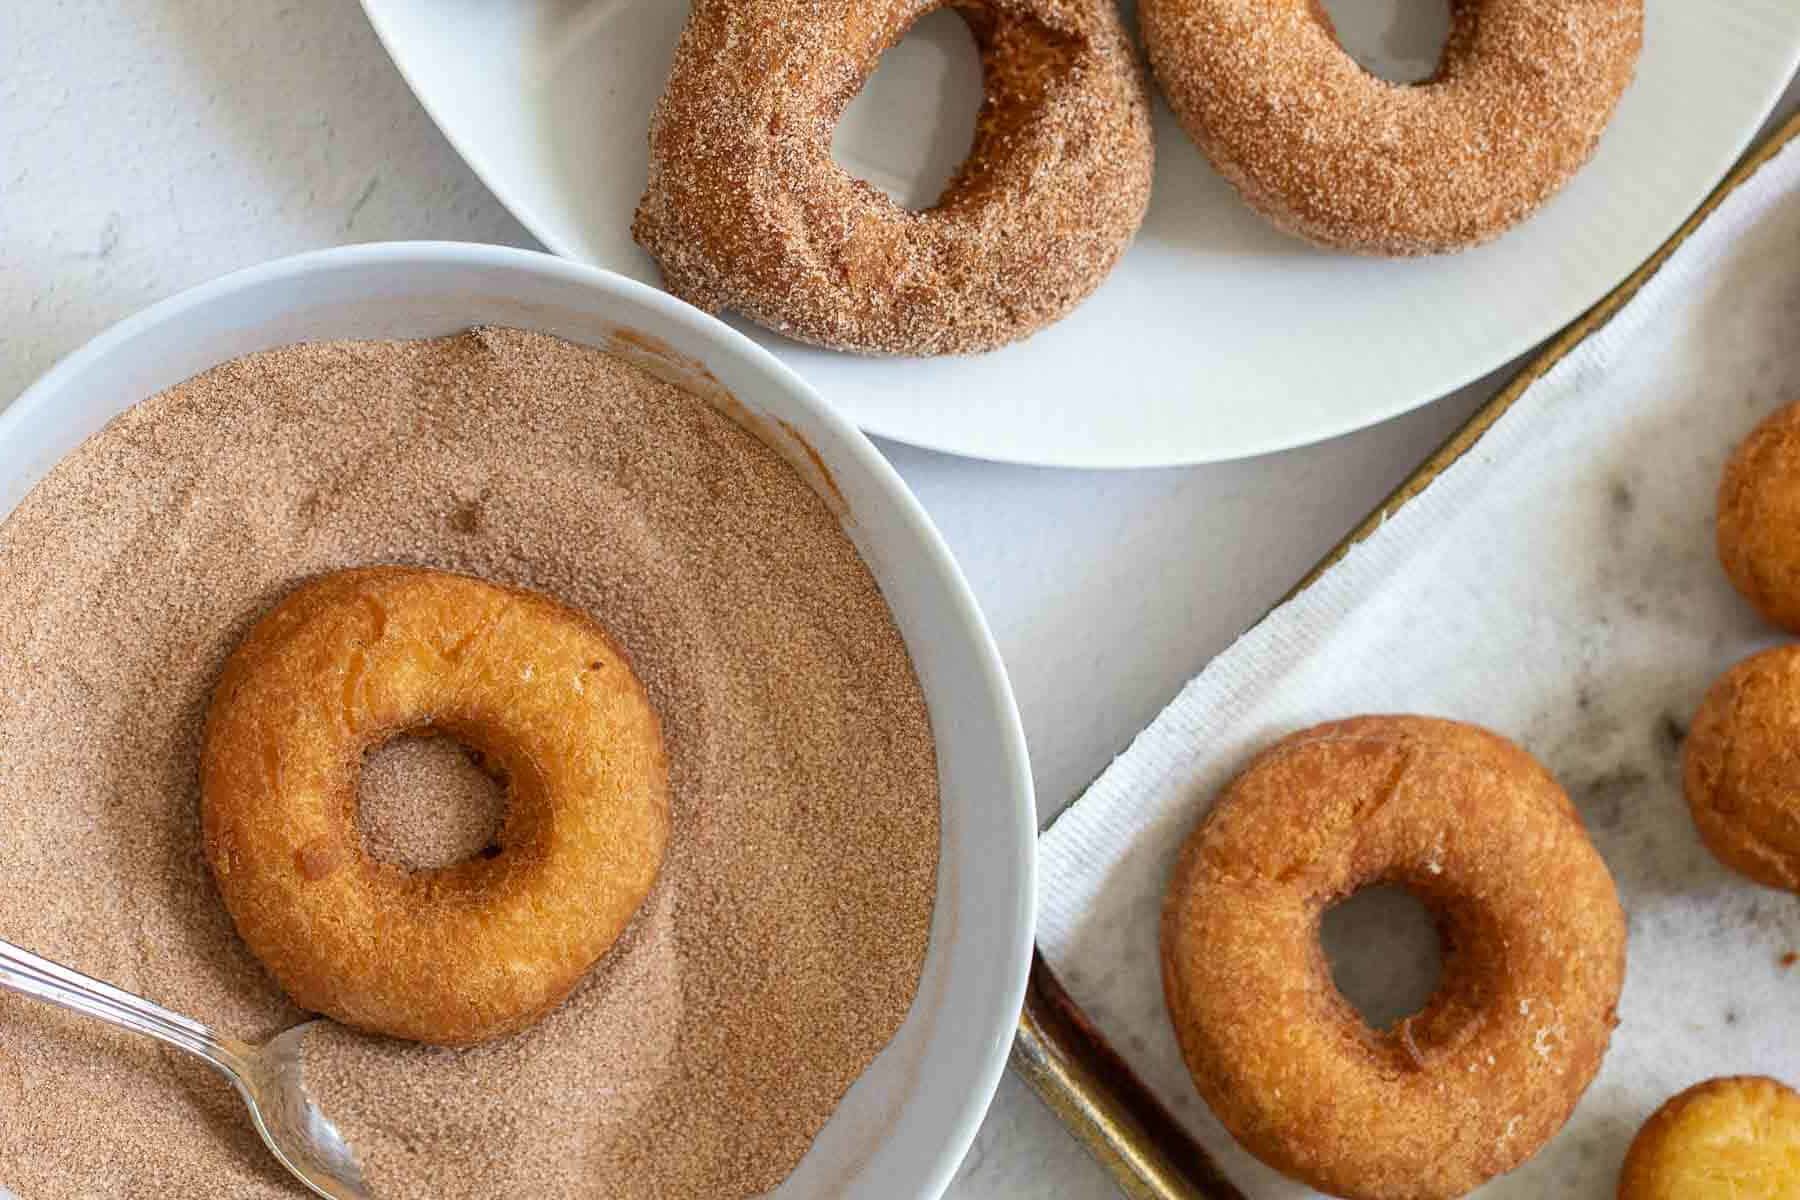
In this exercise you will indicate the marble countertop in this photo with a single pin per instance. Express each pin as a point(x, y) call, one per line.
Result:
point(147, 145)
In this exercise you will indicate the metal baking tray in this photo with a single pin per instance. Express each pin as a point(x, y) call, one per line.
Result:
point(1057, 1049)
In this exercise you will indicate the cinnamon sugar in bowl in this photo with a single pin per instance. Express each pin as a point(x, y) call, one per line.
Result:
point(665, 374)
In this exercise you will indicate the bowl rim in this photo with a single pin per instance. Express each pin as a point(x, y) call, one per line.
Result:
point(34, 402)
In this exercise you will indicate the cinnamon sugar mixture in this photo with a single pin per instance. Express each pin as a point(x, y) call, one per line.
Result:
point(782, 944)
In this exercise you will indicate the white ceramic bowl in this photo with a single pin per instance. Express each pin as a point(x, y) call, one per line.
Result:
point(904, 1127)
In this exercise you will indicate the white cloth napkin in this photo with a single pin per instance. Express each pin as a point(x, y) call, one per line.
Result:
point(1559, 585)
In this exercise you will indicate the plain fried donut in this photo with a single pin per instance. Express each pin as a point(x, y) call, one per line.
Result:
point(1345, 159)
point(482, 947)
point(1534, 957)
point(747, 210)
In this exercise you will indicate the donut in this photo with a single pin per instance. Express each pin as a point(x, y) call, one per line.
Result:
point(1534, 957)
point(1740, 768)
point(482, 947)
point(1347, 160)
point(746, 209)
point(1759, 518)
point(1736, 1138)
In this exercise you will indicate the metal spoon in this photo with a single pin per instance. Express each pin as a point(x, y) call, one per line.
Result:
point(267, 1076)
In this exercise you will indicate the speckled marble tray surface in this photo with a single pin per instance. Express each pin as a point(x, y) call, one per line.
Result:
point(1558, 583)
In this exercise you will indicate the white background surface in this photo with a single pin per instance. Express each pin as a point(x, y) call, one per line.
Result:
point(146, 145)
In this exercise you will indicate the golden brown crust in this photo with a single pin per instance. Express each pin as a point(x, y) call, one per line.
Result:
point(1736, 1138)
point(480, 948)
point(1759, 518)
point(747, 210)
point(1741, 768)
point(1477, 1081)
point(1337, 156)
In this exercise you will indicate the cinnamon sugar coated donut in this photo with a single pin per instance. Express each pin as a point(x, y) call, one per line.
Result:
point(1740, 770)
point(1534, 957)
point(483, 947)
point(747, 210)
point(1736, 1138)
point(1340, 157)
point(1759, 518)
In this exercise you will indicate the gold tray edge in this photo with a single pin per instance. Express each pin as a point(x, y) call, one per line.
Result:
point(1057, 1050)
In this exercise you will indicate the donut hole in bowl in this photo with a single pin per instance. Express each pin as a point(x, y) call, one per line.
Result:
point(1401, 41)
point(426, 800)
point(1385, 952)
point(911, 126)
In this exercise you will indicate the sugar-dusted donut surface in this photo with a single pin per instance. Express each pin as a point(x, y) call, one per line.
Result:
point(747, 210)
point(1336, 155)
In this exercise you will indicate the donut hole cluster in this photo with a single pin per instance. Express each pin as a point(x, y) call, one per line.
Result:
point(912, 124)
point(1401, 41)
point(1385, 952)
point(1741, 759)
point(426, 800)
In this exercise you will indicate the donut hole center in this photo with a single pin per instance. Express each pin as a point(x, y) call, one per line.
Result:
point(425, 800)
point(912, 125)
point(1385, 953)
point(1401, 41)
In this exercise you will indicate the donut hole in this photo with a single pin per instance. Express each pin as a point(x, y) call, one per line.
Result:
point(425, 800)
point(1385, 953)
point(1401, 41)
point(913, 123)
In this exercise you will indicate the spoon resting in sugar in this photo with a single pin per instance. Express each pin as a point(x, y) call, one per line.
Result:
point(266, 1077)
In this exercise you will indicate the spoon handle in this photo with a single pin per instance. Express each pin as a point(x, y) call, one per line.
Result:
point(32, 975)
